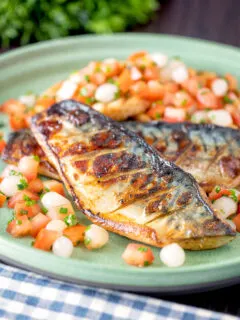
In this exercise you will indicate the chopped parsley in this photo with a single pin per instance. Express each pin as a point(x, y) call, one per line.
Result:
point(70, 220)
point(142, 249)
point(87, 78)
point(142, 67)
point(63, 210)
point(28, 201)
point(22, 185)
point(108, 69)
point(88, 228)
point(36, 158)
point(14, 173)
point(146, 263)
point(87, 241)
point(98, 69)
point(32, 243)
point(226, 99)
point(83, 92)
point(9, 221)
point(18, 222)
point(157, 115)
point(117, 95)
point(44, 210)
point(110, 80)
point(233, 195)
point(184, 102)
point(204, 92)
point(218, 189)
point(90, 100)
point(45, 190)
point(22, 211)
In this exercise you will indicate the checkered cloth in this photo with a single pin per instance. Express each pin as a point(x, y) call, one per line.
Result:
point(28, 296)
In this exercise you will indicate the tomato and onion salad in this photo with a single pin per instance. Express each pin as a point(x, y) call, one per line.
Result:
point(145, 86)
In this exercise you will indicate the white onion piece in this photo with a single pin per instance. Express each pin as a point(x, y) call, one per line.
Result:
point(29, 100)
point(106, 92)
point(226, 206)
point(219, 87)
point(200, 117)
point(135, 74)
point(180, 74)
point(66, 91)
point(159, 58)
point(56, 225)
point(220, 118)
point(63, 247)
point(98, 106)
point(9, 187)
point(95, 237)
point(172, 255)
point(7, 171)
point(54, 199)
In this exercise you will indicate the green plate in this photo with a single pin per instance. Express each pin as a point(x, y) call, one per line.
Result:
point(38, 66)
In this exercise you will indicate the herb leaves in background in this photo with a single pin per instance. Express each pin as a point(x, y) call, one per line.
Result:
point(24, 21)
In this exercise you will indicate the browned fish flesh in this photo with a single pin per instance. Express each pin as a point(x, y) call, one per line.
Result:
point(122, 184)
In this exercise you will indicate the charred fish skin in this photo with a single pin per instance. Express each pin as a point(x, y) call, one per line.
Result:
point(22, 143)
point(210, 153)
point(121, 183)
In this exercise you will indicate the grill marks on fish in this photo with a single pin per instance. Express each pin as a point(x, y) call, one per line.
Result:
point(210, 153)
point(133, 192)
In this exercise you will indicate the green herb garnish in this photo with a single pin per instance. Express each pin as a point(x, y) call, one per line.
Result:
point(83, 92)
point(217, 189)
point(90, 100)
point(70, 220)
point(36, 158)
point(157, 115)
point(22, 211)
point(233, 195)
point(87, 241)
point(63, 210)
point(22, 185)
point(184, 102)
point(117, 95)
point(18, 222)
point(28, 201)
point(142, 249)
point(44, 210)
point(87, 78)
point(226, 99)
point(146, 263)
point(14, 173)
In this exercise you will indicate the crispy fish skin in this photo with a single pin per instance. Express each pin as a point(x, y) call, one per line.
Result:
point(121, 183)
point(22, 143)
point(210, 153)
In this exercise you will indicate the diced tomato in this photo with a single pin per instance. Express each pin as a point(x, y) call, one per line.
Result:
point(138, 255)
point(218, 193)
point(22, 209)
point(137, 55)
point(98, 78)
point(36, 186)
point(171, 87)
point(3, 198)
point(232, 81)
point(168, 98)
point(139, 89)
point(55, 186)
point(154, 91)
point(2, 144)
point(19, 197)
point(45, 102)
point(207, 99)
point(28, 165)
point(17, 122)
point(75, 233)
point(45, 239)
point(125, 81)
point(191, 85)
point(182, 99)
point(236, 220)
point(156, 111)
point(110, 69)
point(13, 107)
point(39, 222)
point(19, 227)
point(151, 73)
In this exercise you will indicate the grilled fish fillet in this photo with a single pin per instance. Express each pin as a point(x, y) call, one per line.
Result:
point(210, 153)
point(122, 184)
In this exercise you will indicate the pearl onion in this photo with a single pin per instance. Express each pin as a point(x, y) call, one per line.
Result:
point(56, 225)
point(63, 247)
point(180, 74)
point(75, 78)
point(95, 237)
point(220, 118)
point(159, 58)
point(28, 100)
point(53, 199)
point(179, 114)
point(172, 255)
point(66, 91)
point(7, 171)
point(219, 87)
point(9, 185)
point(106, 92)
point(226, 206)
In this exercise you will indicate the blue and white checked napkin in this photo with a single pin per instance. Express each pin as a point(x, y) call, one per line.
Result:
point(28, 296)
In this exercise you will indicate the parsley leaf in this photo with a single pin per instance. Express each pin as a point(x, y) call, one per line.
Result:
point(70, 220)
point(36, 158)
point(142, 249)
point(63, 210)
point(28, 201)
point(87, 241)
point(226, 99)
point(22, 185)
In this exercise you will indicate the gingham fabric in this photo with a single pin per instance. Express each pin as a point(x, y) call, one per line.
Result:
point(28, 296)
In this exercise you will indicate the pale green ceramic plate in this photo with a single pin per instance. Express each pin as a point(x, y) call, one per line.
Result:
point(38, 66)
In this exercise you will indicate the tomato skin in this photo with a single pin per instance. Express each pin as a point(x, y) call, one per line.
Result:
point(3, 198)
point(138, 255)
point(39, 222)
point(21, 209)
point(75, 233)
point(19, 197)
point(236, 220)
point(216, 195)
point(35, 186)
point(45, 239)
point(20, 227)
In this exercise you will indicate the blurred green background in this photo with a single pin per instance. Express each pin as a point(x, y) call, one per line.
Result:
point(24, 21)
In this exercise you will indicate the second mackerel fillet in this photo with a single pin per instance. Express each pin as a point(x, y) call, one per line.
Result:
point(122, 184)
